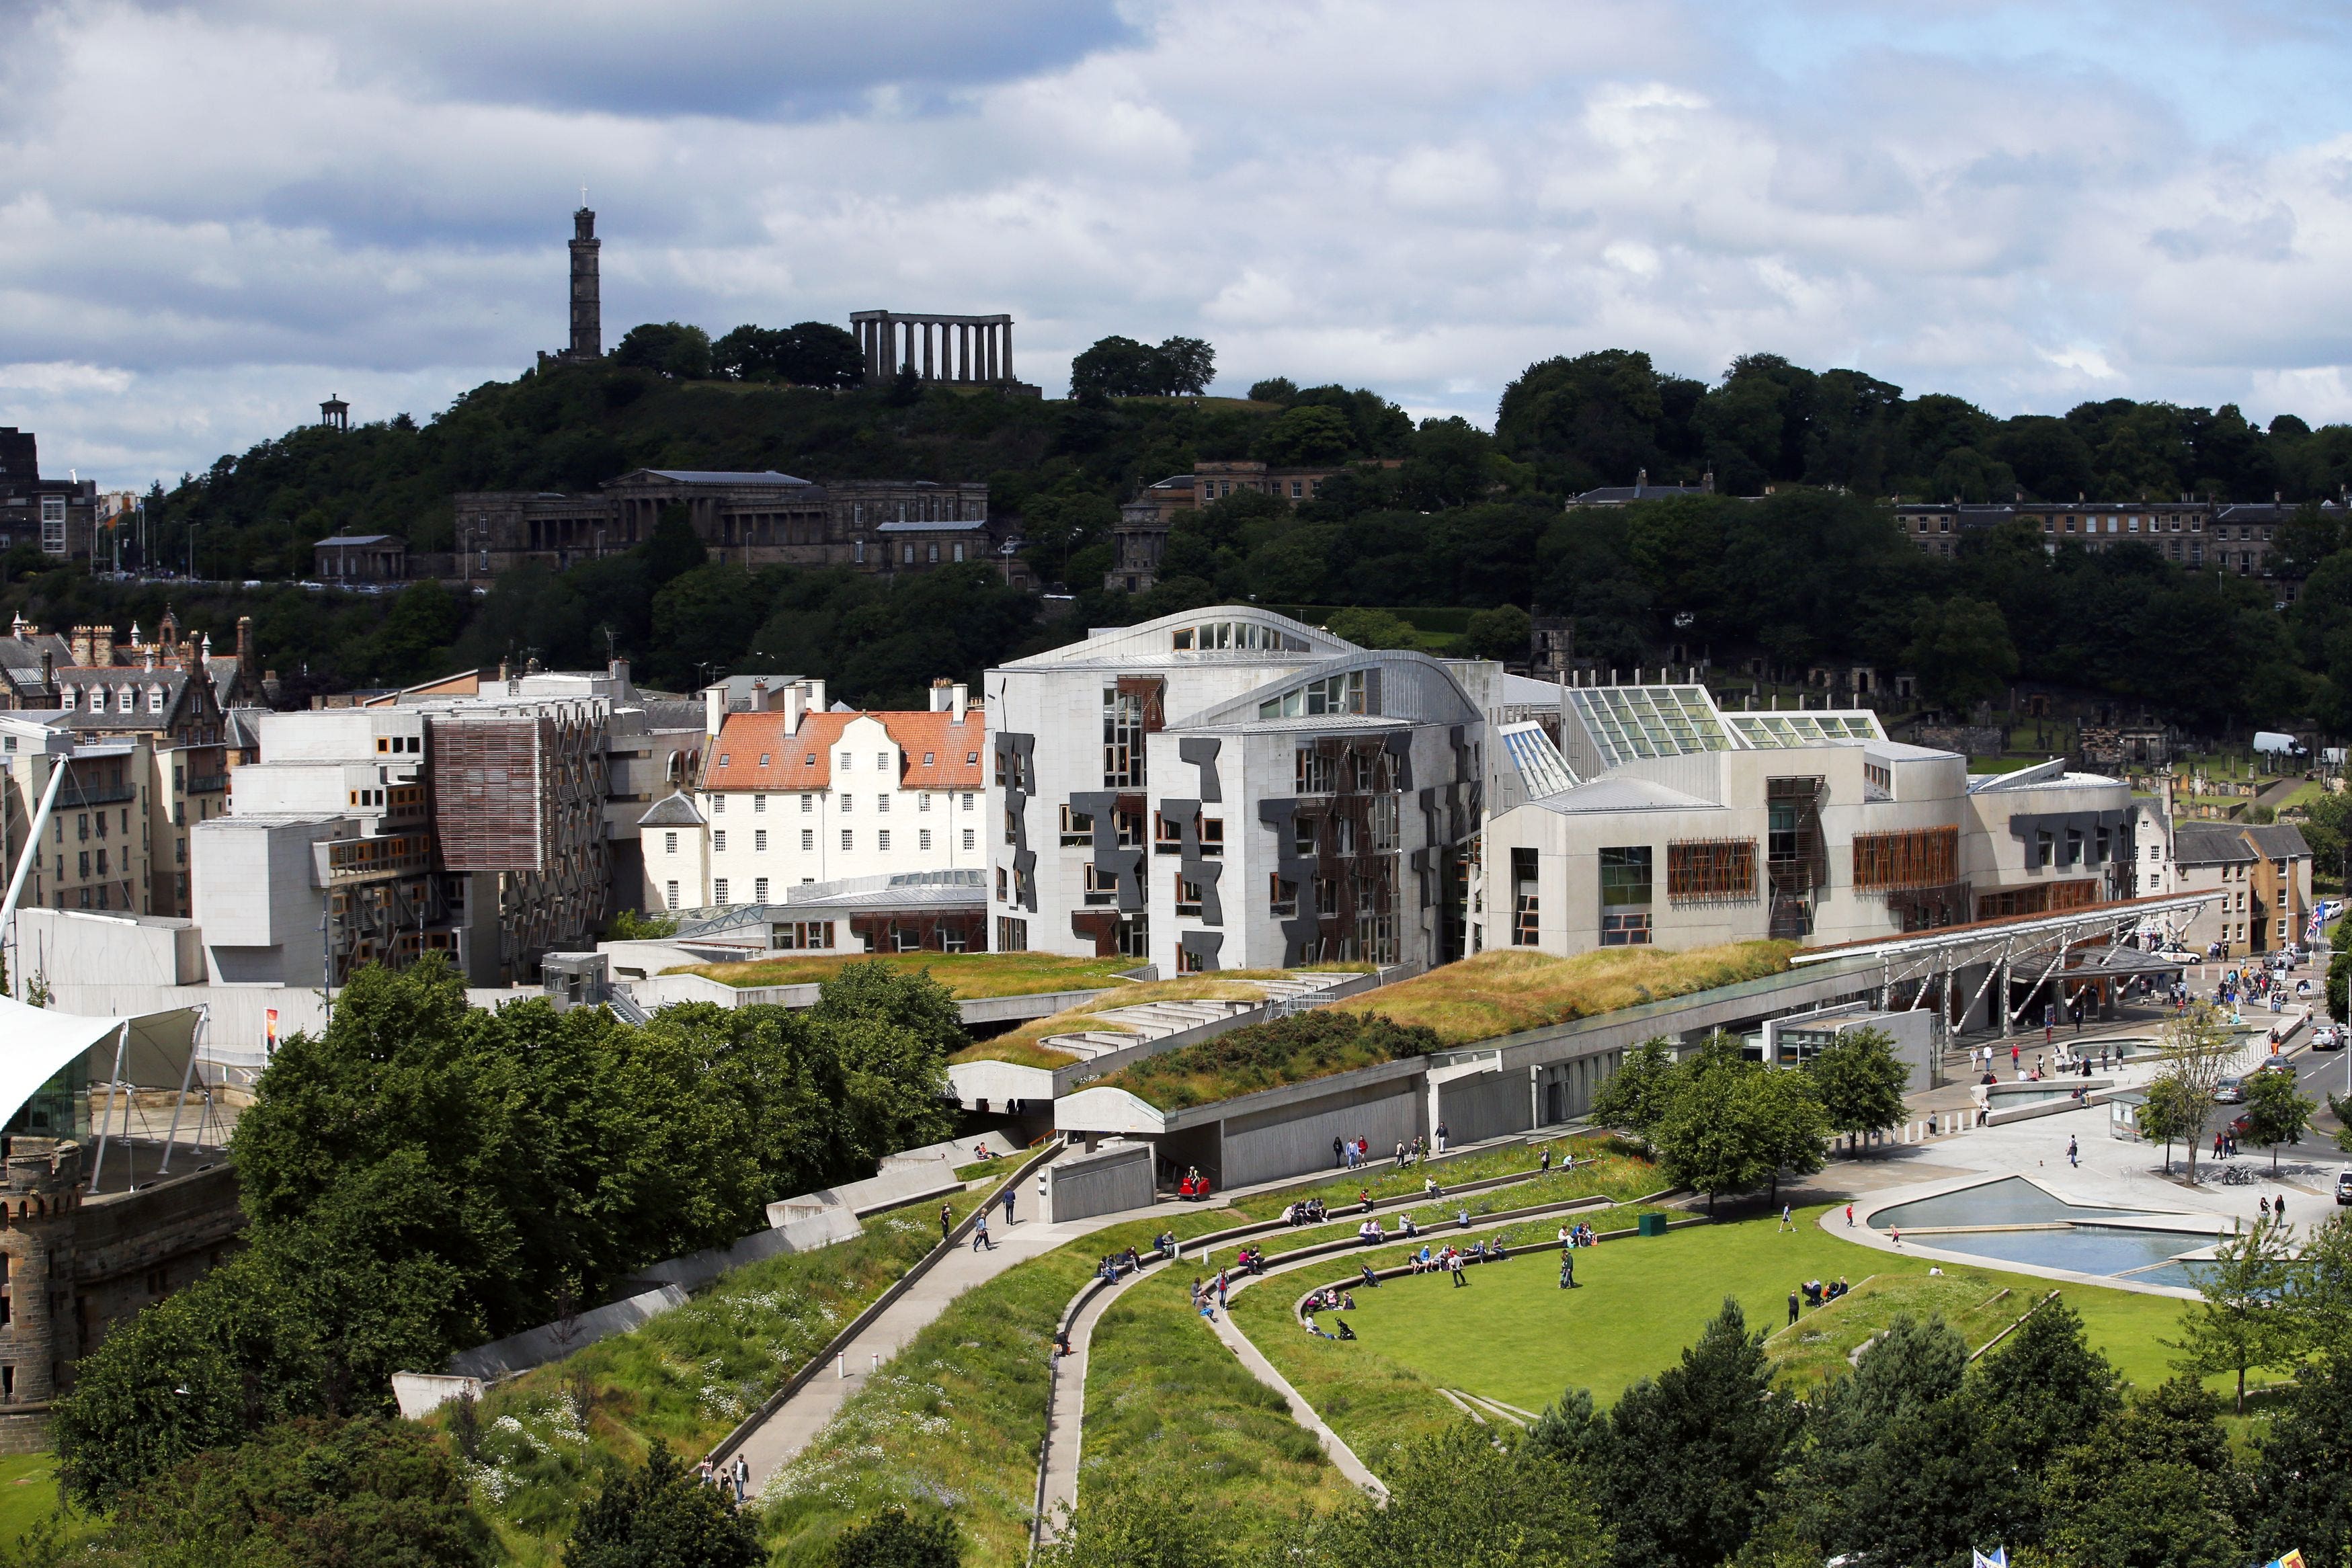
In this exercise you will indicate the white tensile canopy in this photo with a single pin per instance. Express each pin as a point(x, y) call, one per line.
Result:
point(152, 1051)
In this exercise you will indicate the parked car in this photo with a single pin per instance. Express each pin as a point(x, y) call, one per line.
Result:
point(2343, 1187)
point(2229, 1091)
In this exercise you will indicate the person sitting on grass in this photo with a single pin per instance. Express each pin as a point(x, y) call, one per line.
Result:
point(1347, 1300)
point(1319, 1333)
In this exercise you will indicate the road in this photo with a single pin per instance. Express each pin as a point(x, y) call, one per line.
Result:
point(2319, 1073)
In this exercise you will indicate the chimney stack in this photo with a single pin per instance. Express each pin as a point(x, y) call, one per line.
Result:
point(759, 696)
point(619, 670)
point(795, 702)
point(962, 701)
point(248, 663)
point(714, 710)
point(940, 695)
point(48, 672)
point(816, 696)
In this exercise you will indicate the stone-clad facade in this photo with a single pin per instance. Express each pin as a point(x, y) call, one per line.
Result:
point(77, 1264)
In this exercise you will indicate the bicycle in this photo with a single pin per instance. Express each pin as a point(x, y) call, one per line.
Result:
point(2237, 1176)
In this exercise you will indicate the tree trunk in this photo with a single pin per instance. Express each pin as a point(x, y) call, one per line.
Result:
point(2241, 1391)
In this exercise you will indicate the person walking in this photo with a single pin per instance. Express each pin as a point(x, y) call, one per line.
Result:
point(1793, 1309)
point(1441, 1137)
point(947, 1223)
point(2013, 1055)
point(980, 1237)
point(1008, 1206)
point(1787, 1221)
point(1566, 1270)
point(1849, 1216)
point(2073, 1153)
point(1339, 1153)
point(1454, 1265)
point(1545, 1164)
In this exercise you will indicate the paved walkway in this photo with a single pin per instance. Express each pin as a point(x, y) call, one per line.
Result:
point(778, 1440)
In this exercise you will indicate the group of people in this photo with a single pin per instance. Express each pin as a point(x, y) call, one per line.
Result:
point(1306, 1211)
point(733, 1479)
point(1577, 1235)
point(1116, 1264)
point(1346, 1154)
point(1451, 1258)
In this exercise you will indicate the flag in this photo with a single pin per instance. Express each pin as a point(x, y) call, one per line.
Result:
point(269, 1032)
point(2292, 1560)
point(1999, 1558)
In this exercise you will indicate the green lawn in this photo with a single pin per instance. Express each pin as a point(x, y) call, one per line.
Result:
point(28, 1494)
point(965, 975)
point(1514, 1335)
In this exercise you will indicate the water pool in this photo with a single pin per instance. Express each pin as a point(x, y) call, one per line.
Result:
point(2085, 1248)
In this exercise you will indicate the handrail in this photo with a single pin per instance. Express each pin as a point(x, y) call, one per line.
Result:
point(839, 1342)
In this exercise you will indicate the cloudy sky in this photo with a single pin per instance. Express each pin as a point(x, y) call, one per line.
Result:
point(212, 217)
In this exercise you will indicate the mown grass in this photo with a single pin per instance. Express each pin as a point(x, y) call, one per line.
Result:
point(1024, 1047)
point(1516, 1337)
point(1506, 991)
point(28, 1495)
point(549, 1437)
point(955, 1418)
point(965, 975)
point(1814, 1348)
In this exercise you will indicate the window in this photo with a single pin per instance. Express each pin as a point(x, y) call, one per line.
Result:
point(1011, 936)
point(844, 762)
point(1327, 895)
point(2044, 844)
point(1302, 835)
point(1625, 895)
point(725, 758)
point(1332, 694)
point(1098, 886)
point(800, 934)
point(808, 803)
point(718, 843)
point(882, 804)
point(808, 839)
point(882, 762)
point(923, 802)
point(759, 802)
point(53, 525)
point(1122, 728)
point(968, 838)
point(98, 699)
point(669, 844)
point(759, 841)
point(882, 841)
point(1282, 897)
point(923, 838)
point(1312, 773)
point(1134, 936)
point(845, 841)
point(1711, 871)
point(1131, 829)
point(718, 805)
point(848, 802)
point(1213, 836)
point(1187, 895)
point(1167, 833)
point(968, 794)
point(154, 699)
point(1189, 962)
point(1000, 884)
point(719, 892)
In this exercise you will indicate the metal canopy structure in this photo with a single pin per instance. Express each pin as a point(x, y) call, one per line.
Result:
point(2038, 944)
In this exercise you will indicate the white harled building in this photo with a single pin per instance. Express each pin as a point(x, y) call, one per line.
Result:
point(1231, 788)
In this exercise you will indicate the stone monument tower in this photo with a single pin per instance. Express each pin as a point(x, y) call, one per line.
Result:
point(587, 308)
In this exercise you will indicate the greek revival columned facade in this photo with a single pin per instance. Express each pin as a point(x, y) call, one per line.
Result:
point(973, 349)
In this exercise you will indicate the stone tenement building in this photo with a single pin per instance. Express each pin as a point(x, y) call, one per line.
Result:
point(72, 1266)
point(750, 518)
point(59, 514)
point(2235, 536)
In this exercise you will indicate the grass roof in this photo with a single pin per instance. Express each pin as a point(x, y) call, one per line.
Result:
point(965, 975)
point(1268, 1055)
point(1510, 989)
point(1024, 1047)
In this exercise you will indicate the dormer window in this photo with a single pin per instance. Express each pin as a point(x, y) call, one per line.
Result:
point(98, 699)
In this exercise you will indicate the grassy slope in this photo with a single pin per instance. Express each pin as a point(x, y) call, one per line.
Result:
point(28, 1494)
point(963, 974)
point(1506, 991)
point(957, 1415)
point(687, 1377)
point(1516, 1337)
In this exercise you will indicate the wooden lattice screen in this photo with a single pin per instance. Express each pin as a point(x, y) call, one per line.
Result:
point(1922, 857)
point(1710, 871)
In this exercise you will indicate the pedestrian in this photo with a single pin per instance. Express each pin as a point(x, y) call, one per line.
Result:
point(1567, 1269)
point(1441, 1137)
point(1545, 1164)
point(742, 1476)
point(2074, 1155)
point(1895, 1234)
point(1454, 1264)
point(947, 1223)
point(2217, 1146)
point(1339, 1151)
point(2278, 1208)
point(2266, 1208)
point(1849, 1216)
point(1792, 1308)
point(1008, 1206)
point(1787, 1222)
point(980, 1233)
point(2013, 1059)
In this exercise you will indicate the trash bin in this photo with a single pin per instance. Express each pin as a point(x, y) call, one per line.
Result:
point(1651, 1224)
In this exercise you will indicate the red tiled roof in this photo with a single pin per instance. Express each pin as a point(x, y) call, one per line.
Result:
point(804, 761)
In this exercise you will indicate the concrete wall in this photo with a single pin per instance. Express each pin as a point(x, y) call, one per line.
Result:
point(1292, 1140)
point(1483, 1105)
point(75, 947)
point(1114, 1177)
point(257, 897)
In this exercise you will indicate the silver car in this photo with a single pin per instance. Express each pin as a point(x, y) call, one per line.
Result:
point(2229, 1091)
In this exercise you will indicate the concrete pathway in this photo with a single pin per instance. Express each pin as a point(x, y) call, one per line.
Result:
point(780, 1440)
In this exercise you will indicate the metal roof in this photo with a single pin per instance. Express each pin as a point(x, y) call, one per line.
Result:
point(719, 476)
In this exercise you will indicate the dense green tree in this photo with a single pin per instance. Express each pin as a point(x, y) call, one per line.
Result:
point(307, 1494)
point(662, 1517)
point(1458, 1496)
point(1305, 438)
point(1962, 652)
point(2238, 1325)
point(1859, 1081)
point(2044, 1389)
point(1636, 1097)
point(897, 1539)
point(1729, 1125)
point(1693, 1453)
point(2156, 1488)
point(679, 351)
point(2302, 1471)
point(1273, 389)
point(2276, 1113)
point(1373, 628)
point(1503, 633)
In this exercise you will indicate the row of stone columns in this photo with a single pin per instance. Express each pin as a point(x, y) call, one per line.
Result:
point(936, 350)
